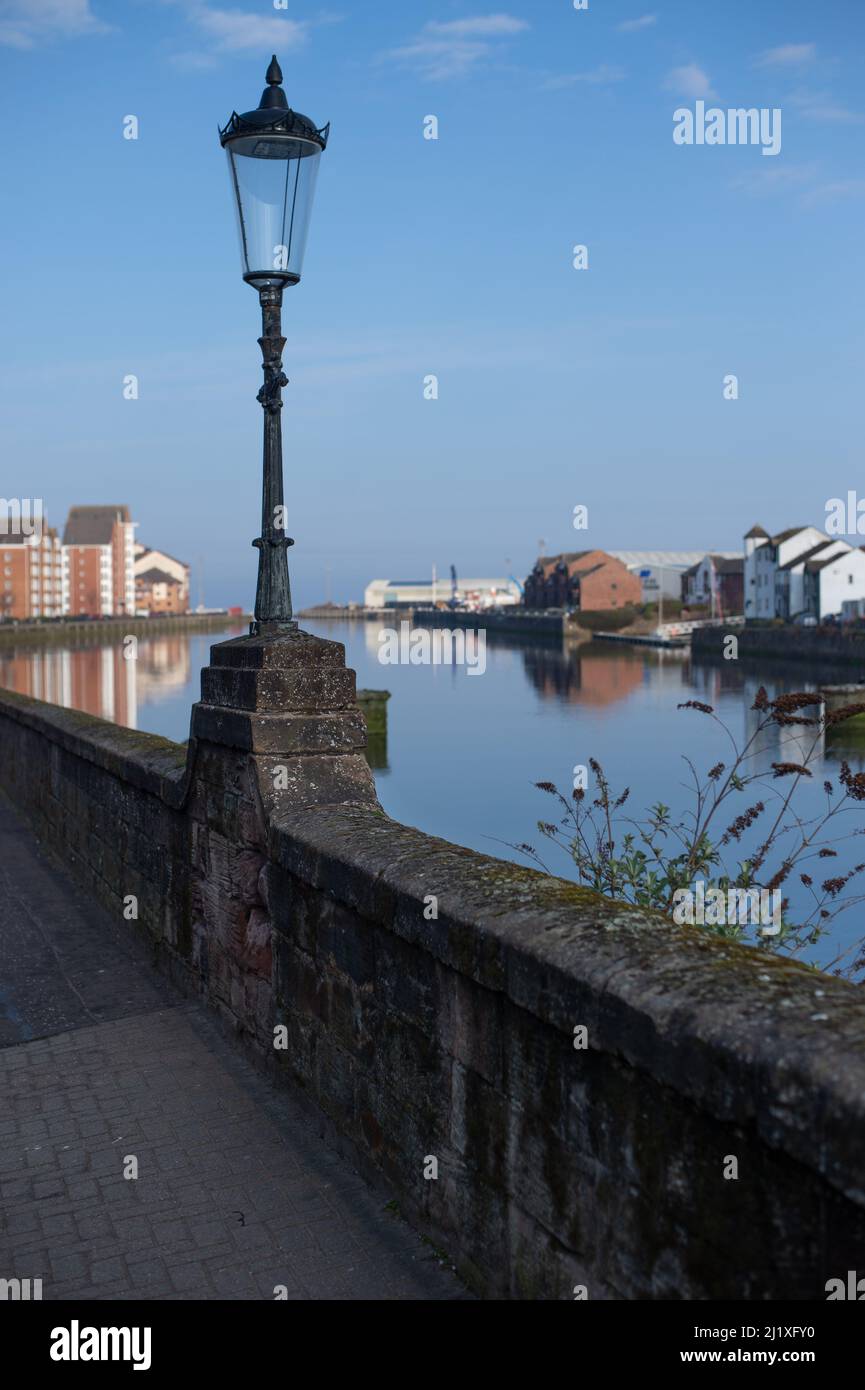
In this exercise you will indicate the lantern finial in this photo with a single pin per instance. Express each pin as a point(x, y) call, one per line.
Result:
point(273, 96)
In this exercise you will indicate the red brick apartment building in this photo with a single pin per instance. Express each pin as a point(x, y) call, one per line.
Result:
point(583, 579)
point(100, 578)
point(31, 572)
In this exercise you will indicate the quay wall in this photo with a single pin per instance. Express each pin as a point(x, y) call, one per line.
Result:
point(788, 642)
point(516, 620)
point(97, 632)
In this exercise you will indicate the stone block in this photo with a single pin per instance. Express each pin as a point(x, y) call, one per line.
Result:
point(281, 735)
point(302, 690)
point(277, 652)
point(345, 946)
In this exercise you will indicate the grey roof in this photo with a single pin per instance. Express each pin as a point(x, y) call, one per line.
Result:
point(442, 582)
point(815, 566)
point(156, 550)
point(92, 525)
point(565, 558)
point(19, 537)
point(156, 576)
point(571, 558)
point(756, 531)
point(669, 559)
point(723, 564)
point(806, 556)
point(788, 534)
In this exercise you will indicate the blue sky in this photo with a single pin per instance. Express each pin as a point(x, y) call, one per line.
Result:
point(452, 257)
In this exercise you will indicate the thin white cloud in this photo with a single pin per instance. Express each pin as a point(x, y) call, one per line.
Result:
point(441, 58)
point(26, 23)
point(789, 55)
point(596, 77)
point(809, 181)
point(831, 192)
point(224, 31)
point(454, 47)
point(630, 26)
point(821, 106)
point(764, 182)
point(485, 26)
point(233, 31)
point(689, 81)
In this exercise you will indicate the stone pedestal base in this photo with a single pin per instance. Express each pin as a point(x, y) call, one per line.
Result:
point(288, 701)
point(277, 728)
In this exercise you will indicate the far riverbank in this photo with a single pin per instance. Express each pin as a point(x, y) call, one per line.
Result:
point(100, 632)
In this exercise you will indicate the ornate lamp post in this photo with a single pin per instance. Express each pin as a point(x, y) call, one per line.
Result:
point(273, 156)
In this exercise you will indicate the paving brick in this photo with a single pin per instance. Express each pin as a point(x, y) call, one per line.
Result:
point(93, 1224)
point(69, 1269)
point(21, 1222)
point(128, 1067)
point(108, 1271)
point(190, 1276)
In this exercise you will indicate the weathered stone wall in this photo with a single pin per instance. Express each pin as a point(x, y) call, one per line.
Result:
point(429, 996)
point(605, 1167)
point(109, 801)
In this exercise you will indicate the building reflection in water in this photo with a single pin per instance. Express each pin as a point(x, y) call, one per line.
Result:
point(588, 673)
point(595, 674)
point(100, 680)
point(792, 743)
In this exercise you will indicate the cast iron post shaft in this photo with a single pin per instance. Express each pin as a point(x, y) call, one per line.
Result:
point(273, 593)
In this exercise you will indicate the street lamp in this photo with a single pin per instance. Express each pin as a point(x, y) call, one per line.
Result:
point(273, 156)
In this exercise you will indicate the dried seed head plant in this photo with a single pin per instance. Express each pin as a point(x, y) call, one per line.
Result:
point(648, 862)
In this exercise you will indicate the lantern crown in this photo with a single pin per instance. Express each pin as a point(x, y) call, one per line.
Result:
point(274, 116)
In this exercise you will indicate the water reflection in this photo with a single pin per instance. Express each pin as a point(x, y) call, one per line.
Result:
point(114, 682)
point(593, 674)
point(845, 741)
point(96, 680)
point(100, 680)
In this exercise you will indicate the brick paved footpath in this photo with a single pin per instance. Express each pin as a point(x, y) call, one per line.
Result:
point(100, 1059)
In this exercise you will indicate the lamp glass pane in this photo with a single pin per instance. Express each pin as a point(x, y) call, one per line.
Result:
point(273, 178)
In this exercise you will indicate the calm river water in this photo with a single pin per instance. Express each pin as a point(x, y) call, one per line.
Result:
point(463, 752)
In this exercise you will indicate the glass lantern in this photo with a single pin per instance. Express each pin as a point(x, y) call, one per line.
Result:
point(273, 157)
